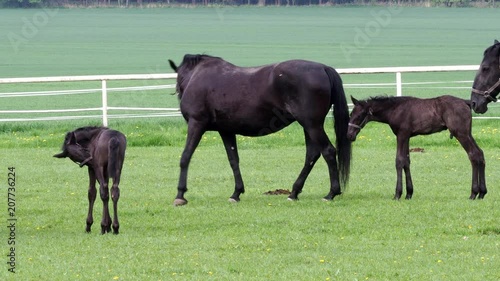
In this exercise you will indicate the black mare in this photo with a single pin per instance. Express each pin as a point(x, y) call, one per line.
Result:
point(486, 85)
point(408, 117)
point(102, 150)
point(216, 95)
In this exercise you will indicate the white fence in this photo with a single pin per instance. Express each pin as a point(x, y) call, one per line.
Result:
point(174, 111)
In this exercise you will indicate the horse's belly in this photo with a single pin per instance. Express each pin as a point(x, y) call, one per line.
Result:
point(253, 126)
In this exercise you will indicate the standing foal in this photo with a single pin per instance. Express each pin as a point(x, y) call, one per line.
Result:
point(103, 151)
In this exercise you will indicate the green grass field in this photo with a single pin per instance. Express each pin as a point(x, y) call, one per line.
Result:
point(361, 235)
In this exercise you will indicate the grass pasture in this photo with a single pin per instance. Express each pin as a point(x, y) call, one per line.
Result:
point(361, 235)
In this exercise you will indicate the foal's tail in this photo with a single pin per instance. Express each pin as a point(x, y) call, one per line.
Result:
point(341, 118)
point(116, 155)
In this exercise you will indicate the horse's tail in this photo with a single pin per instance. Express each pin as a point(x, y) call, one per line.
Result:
point(116, 153)
point(341, 121)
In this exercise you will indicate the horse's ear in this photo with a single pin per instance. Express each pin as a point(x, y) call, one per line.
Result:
point(72, 138)
point(172, 65)
point(354, 101)
point(496, 42)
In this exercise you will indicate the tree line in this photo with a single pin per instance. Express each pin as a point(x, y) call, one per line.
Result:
point(157, 3)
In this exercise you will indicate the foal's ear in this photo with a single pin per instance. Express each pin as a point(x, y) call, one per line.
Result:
point(72, 138)
point(496, 42)
point(354, 101)
point(172, 65)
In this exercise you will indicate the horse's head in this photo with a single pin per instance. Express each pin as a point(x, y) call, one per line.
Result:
point(72, 149)
point(360, 115)
point(487, 82)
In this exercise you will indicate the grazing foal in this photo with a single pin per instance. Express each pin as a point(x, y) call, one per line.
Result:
point(103, 151)
point(408, 117)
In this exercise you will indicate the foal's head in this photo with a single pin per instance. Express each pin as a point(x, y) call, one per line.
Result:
point(76, 145)
point(486, 85)
point(360, 115)
point(73, 150)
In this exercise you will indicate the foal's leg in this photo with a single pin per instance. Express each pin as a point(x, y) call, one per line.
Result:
point(234, 160)
point(403, 163)
point(476, 158)
point(321, 141)
point(115, 196)
point(104, 191)
point(195, 131)
point(312, 155)
point(92, 193)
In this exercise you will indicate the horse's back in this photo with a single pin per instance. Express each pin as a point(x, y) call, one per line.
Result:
point(107, 142)
point(116, 140)
point(431, 115)
point(256, 101)
point(301, 73)
point(453, 102)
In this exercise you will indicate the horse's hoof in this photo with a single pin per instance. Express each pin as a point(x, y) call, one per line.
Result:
point(326, 200)
point(180, 202)
point(292, 199)
point(232, 200)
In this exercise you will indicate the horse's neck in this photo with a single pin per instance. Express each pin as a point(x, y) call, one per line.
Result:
point(382, 113)
point(87, 136)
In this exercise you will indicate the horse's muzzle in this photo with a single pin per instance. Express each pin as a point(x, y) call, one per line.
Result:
point(479, 108)
point(351, 135)
point(63, 154)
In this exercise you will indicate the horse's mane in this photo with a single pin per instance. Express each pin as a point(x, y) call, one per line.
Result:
point(192, 60)
point(85, 133)
point(89, 128)
point(388, 100)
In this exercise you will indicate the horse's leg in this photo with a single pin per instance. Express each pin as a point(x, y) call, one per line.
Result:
point(234, 160)
point(409, 182)
point(481, 163)
point(312, 155)
point(115, 196)
point(195, 131)
point(92, 194)
point(320, 139)
point(476, 158)
point(104, 192)
point(403, 163)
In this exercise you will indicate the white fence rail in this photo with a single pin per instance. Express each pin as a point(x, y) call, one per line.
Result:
point(104, 92)
point(174, 111)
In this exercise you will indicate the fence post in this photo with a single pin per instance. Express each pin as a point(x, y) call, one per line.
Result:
point(399, 90)
point(104, 103)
